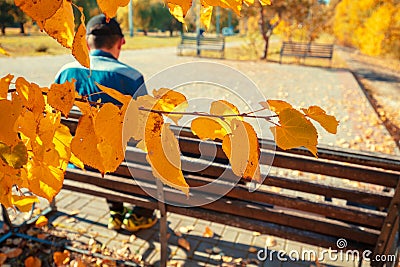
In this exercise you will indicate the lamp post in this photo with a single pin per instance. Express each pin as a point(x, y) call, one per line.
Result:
point(130, 18)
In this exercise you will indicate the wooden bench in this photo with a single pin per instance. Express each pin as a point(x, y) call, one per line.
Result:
point(314, 211)
point(305, 208)
point(304, 50)
point(210, 43)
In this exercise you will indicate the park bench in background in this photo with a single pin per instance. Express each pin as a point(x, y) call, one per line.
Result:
point(313, 211)
point(206, 43)
point(304, 50)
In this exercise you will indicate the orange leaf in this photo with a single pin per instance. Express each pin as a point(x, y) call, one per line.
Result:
point(61, 25)
point(108, 127)
point(39, 10)
point(84, 143)
point(163, 153)
point(31, 96)
point(223, 108)
point(177, 12)
point(235, 5)
point(61, 258)
point(170, 100)
point(295, 130)
point(3, 258)
point(24, 203)
point(208, 232)
point(184, 5)
point(13, 253)
point(243, 150)
point(184, 243)
point(62, 96)
point(41, 221)
point(316, 113)
point(210, 128)
point(10, 111)
point(79, 46)
point(117, 95)
point(109, 8)
point(5, 85)
point(276, 105)
point(32, 261)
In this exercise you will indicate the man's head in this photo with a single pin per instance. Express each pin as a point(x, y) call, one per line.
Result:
point(104, 35)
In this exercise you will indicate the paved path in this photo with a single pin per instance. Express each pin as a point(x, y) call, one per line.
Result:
point(334, 90)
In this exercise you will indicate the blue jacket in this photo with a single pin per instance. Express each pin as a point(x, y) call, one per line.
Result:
point(105, 70)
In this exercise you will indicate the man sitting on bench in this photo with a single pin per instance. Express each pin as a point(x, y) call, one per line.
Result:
point(105, 41)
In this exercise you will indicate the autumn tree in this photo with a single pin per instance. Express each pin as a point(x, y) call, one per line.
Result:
point(6, 17)
point(142, 15)
point(372, 26)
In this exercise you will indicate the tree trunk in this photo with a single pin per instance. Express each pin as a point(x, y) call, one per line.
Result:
point(3, 30)
point(263, 31)
point(145, 32)
point(21, 28)
point(171, 32)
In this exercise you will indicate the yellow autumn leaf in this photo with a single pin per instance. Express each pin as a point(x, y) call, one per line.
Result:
point(295, 130)
point(9, 113)
point(7, 177)
point(328, 122)
point(235, 5)
point(80, 48)
point(27, 124)
point(47, 127)
point(61, 258)
point(5, 85)
point(15, 156)
point(210, 128)
point(45, 180)
point(13, 253)
point(39, 10)
point(177, 12)
point(276, 105)
point(62, 96)
point(109, 8)
point(108, 128)
point(24, 203)
point(224, 108)
point(124, 99)
point(61, 25)
point(163, 153)
point(33, 261)
point(84, 143)
point(62, 142)
point(131, 126)
point(243, 150)
point(183, 4)
point(31, 96)
point(205, 15)
point(41, 221)
point(170, 101)
point(3, 52)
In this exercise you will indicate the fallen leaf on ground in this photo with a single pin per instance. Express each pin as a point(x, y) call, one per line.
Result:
point(13, 253)
point(252, 249)
point(41, 221)
point(208, 232)
point(32, 261)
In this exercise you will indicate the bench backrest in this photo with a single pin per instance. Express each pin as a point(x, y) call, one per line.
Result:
point(307, 49)
point(293, 201)
point(203, 40)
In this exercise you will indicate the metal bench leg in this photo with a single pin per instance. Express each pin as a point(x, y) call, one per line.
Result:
point(163, 224)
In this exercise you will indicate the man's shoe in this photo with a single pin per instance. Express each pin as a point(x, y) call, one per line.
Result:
point(133, 223)
point(116, 218)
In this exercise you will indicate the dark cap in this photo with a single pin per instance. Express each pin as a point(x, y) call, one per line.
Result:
point(98, 25)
